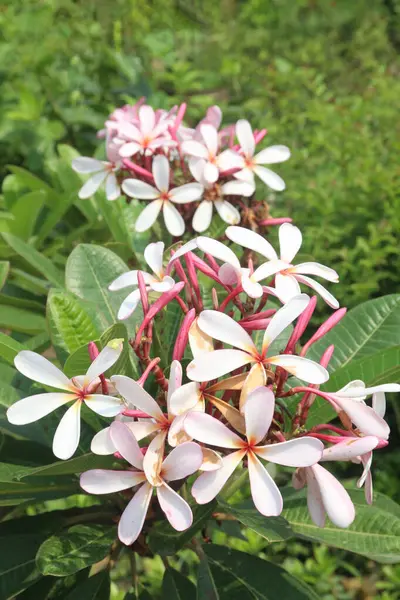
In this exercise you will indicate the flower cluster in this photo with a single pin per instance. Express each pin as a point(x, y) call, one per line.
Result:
point(180, 171)
point(249, 384)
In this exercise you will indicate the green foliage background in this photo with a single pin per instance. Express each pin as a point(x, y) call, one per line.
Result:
point(322, 76)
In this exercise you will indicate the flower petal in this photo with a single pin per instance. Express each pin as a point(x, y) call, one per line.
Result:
point(286, 286)
point(174, 381)
point(148, 216)
point(142, 429)
point(139, 189)
point(33, 408)
point(127, 279)
point(210, 483)
point(223, 328)
point(303, 368)
point(129, 305)
point(270, 178)
point(228, 159)
point(314, 500)
point(184, 398)
point(290, 240)
point(264, 491)
point(147, 119)
point(129, 149)
point(132, 519)
point(112, 188)
point(364, 417)
point(256, 377)
point(126, 444)
point(100, 481)
point(165, 285)
point(227, 212)
point(351, 448)
point(218, 250)
point(379, 403)
point(245, 136)
point(313, 268)
point(283, 317)
point(175, 508)
point(208, 430)
point(136, 396)
point(320, 289)
point(36, 367)
point(105, 360)
point(336, 500)
point(212, 365)
point(212, 461)
point(252, 240)
point(92, 185)
point(202, 216)
point(186, 193)
point(299, 452)
point(199, 341)
point(161, 172)
point(210, 137)
point(84, 164)
point(173, 220)
point(252, 288)
point(258, 412)
point(153, 255)
point(272, 155)
point(238, 188)
point(229, 412)
point(182, 461)
point(102, 443)
point(68, 432)
point(268, 269)
point(194, 148)
point(154, 457)
point(210, 172)
point(106, 406)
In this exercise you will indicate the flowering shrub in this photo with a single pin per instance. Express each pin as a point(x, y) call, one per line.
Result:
point(203, 374)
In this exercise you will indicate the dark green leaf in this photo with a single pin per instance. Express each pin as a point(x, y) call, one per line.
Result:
point(9, 348)
point(96, 587)
point(79, 547)
point(177, 587)
point(26, 211)
point(273, 529)
point(20, 320)
point(206, 588)
point(4, 270)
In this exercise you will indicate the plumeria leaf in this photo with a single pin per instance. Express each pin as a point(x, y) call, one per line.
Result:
point(79, 547)
point(375, 530)
point(206, 588)
point(177, 587)
point(96, 587)
point(9, 348)
point(20, 320)
point(165, 541)
point(4, 271)
point(252, 577)
point(273, 529)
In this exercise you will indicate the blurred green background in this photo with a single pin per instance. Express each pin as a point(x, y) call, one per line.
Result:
point(321, 75)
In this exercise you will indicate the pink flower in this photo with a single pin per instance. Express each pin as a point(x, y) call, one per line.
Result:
point(251, 164)
point(258, 413)
point(147, 135)
point(162, 198)
point(149, 473)
point(220, 326)
point(287, 275)
point(79, 389)
point(158, 282)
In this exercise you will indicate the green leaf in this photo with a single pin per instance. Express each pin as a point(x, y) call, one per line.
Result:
point(90, 270)
point(240, 576)
point(382, 367)
point(176, 587)
point(4, 271)
point(37, 260)
point(26, 179)
point(206, 588)
point(26, 211)
point(273, 529)
point(9, 348)
point(113, 214)
point(14, 493)
point(63, 467)
point(71, 319)
point(165, 540)
point(375, 530)
point(81, 546)
point(23, 321)
point(370, 327)
point(96, 587)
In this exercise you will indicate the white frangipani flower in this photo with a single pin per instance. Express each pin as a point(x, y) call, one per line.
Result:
point(162, 197)
point(258, 414)
point(180, 463)
point(287, 275)
point(214, 196)
point(208, 152)
point(149, 133)
point(220, 326)
point(252, 164)
point(158, 282)
point(101, 172)
point(77, 390)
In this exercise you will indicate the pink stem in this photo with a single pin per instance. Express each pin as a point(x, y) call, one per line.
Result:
point(276, 221)
point(142, 380)
point(93, 354)
point(139, 170)
point(143, 292)
point(183, 335)
point(259, 135)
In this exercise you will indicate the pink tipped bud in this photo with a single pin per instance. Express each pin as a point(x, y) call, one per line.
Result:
point(382, 444)
point(183, 335)
point(202, 266)
point(180, 115)
point(327, 355)
point(136, 414)
point(277, 221)
point(142, 379)
point(301, 324)
point(93, 351)
point(143, 292)
point(329, 324)
point(265, 314)
point(192, 274)
point(215, 299)
point(259, 135)
point(255, 324)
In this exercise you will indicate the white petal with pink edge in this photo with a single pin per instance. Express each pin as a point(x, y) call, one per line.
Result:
point(283, 317)
point(153, 255)
point(303, 368)
point(218, 250)
point(336, 500)
point(351, 448)
point(147, 119)
point(313, 268)
point(126, 444)
point(210, 483)
point(264, 491)
point(208, 430)
point(212, 365)
point(210, 137)
point(175, 508)
point(258, 411)
point(320, 289)
point(106, 406)
point(104, 361)
point(314, 500)
point(221, 327)
point(129, 305)
point(300, 452)
point(66, 437)
point(132, 519)
point(36, 367)
point(182, 461)
point(136, 396)
point(153, 458)
point(100, 481)
point(194, 148)
point(33, 408)
point(364, 417)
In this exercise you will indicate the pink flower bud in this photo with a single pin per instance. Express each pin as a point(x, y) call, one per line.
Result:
point(93, 351)
point(276, 221)
point(155, 308)
point(183, 335)
point(329, 324)
point(301, 324)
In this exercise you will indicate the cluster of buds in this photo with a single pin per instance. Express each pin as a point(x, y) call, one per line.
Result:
point(183, 172)
point(231, 403)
